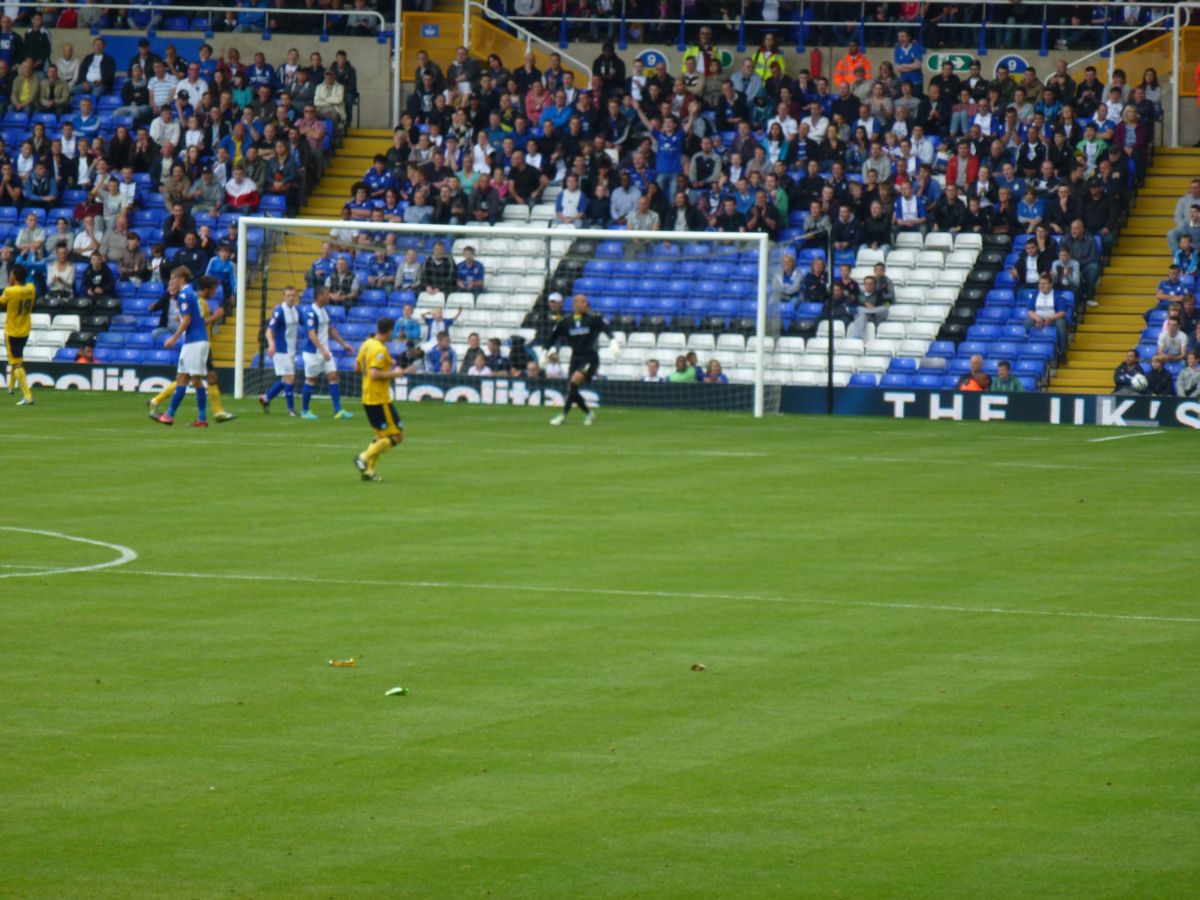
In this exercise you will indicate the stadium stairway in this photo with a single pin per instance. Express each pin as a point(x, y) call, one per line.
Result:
point(1126, 291)
point(290, 257)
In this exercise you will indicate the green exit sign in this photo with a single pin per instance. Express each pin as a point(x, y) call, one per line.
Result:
point(960, 61)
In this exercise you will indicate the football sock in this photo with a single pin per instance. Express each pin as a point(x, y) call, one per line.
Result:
point(289, 394)
point(176, 399)
point(202, 403)
point(18, 374)
point(376, 450)
point(275, 390)
point(161, 397)
point(335, 392)
point(573, 396)
point(214, 394)
point(306, 395)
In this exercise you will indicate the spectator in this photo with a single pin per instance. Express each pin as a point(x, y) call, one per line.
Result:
point(1065, 274)
point(342, 283)
point(95, 73)
point(438, 273)
point(1160, 382)
point(1005, 382)
point(1186, 256)
point(1082, 247)
point(60, 276)
point(713, 373)
point(644, 218)
point(470, 272)
point(497, 362)
point(652, 374)
point(329, 99)
point(241, 194)
point(975, 379)
point(1049, 310)
point(872, 308)
point(441, 355)
point(683, 374)
point(910, 213)
point(1172, 343)
point(1190, 228)
point(1187, 383)
point(484, 202)
point(98, 281)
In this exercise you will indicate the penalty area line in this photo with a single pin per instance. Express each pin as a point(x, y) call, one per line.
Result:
point(667, 595)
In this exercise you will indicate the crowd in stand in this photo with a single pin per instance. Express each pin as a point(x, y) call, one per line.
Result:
point(763, 146)
point(1171, 340)
point(144, 163)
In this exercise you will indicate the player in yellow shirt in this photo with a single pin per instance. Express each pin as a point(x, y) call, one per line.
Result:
point(17, 300)
point(378, 370)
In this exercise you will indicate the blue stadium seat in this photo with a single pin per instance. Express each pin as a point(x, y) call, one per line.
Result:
point(150, 289)
point(15, 119)
point(610, 250)
point(904, 364)
point(993, 315)
point(969, 348)
point(129, 357)
point(1004, 350)
point(123, 323)
point(862, 379)
point(983, 333)
point(598, 268)
point(139, 341)
point(373, 297)
point(894, 380)
point(1035, 368)
point(110, 339)
point(106, 353)
point(630, 268)
point(927, 382)
point(941, 349)
point(64, 354)
point(273, 205)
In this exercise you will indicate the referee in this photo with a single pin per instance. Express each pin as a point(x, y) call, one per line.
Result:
point(581, 330)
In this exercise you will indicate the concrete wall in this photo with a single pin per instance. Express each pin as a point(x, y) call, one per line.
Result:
point(371, 59)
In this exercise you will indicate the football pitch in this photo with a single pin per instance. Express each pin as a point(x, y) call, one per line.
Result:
point(939, 659)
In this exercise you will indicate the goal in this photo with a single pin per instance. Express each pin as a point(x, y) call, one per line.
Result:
point(691, 308)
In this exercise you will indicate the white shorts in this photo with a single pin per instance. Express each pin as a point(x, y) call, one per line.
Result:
point(315, 364)
point(285, 364)
point(193, 358)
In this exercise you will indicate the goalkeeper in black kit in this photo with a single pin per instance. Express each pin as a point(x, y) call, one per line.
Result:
point(581, 329)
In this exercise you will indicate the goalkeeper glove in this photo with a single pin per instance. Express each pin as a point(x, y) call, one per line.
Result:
point(614, 348)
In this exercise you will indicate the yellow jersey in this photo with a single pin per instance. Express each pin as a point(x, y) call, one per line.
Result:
point(17, 300)
point(373, 354)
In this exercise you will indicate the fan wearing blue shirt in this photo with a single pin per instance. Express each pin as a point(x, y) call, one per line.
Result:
point(381, 269)
point(668, 155)
point(470, 272)
point(908, 57)
point(378, 179)
point(220, 267)
point(260, 74)
point(86, 122)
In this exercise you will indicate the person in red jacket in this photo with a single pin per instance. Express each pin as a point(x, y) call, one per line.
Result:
point(963, 167)
point(241, 193)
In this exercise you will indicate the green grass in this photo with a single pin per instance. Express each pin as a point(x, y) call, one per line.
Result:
point(942, 659)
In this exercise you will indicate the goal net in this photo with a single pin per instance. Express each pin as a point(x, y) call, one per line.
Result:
point(692, 313)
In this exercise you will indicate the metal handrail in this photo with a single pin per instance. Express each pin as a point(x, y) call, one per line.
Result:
point(164, 11)
point(1108, 49)
point(523, 32)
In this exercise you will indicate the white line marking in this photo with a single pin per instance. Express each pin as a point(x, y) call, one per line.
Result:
point(125, 555)
point(1121, 437)
point(669, 595)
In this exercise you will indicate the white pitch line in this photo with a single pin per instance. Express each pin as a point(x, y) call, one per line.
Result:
point(668, 595)
point(1121, 437)
point(125, 554)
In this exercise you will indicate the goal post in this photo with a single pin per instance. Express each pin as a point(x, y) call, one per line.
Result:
point(666, 294)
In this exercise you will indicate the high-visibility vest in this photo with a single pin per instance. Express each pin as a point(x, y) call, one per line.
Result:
point(763, 60)
point(844, 71)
